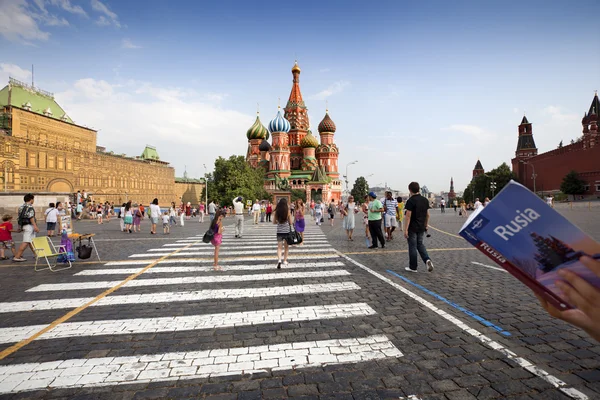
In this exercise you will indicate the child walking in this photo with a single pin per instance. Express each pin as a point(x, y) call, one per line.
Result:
point(165, 220)
point(283, 220)
point(217, 228)
point(6, 241)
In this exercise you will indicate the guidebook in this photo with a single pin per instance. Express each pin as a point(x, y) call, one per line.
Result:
point(532, 241)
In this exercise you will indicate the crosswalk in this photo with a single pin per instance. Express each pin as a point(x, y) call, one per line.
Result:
point(248, 282)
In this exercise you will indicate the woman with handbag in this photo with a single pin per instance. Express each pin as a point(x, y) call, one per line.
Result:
point(283, 220)
point(299, 223)
point(216, 227)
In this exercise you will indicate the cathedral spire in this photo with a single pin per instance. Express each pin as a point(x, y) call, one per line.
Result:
point(295, 99)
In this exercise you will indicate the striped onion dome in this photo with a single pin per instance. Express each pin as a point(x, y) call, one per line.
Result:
point(327, 124)
point(279, 124)
point(264, 146)
point(257, 130)
point(309, 141)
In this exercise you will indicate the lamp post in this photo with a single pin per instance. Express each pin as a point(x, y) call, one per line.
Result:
point(533, 175)
point(346, 176)
point(205, 186)
point(493, 187)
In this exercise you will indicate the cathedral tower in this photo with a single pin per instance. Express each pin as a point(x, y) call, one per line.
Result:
point(327, 152)
point(297, 115)
point(279, 156)
point(256, 134)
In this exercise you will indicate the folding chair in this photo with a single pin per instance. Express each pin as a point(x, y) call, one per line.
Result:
point(44, 248)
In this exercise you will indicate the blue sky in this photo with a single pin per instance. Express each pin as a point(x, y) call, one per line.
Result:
point(418, 90)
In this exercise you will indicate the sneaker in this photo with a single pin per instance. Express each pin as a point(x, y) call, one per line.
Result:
point(279, 265)
point(19, 259)
point(372, 247)
point(409, 269)
point(429, 266)
point(237, 236)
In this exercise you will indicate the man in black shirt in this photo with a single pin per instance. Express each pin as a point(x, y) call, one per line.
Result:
point(415, 225)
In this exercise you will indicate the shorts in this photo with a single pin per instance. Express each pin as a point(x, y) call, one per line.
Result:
point(128, 219)
point(154, 220)
point(28, 233)
point(100, 214)
point(331, 216)
point(390, 221)
point(7, 244)
point(165, 224)
point(282, 237)
point(50, 226)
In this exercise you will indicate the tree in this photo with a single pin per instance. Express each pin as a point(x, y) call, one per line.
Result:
point(572, 184)
point(360, 189)
point(235, 177)
point(298, 194)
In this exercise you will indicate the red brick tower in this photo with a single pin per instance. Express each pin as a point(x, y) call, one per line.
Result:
point(297, 114)
point(478, 170)
point(590, 124)
point(526, 145)
point(451, 193)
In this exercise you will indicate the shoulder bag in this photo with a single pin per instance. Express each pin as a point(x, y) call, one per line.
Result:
point(293, 237)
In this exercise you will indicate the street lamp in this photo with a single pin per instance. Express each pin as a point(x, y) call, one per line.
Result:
point(206, 185)
point(534, 175)
point(346, 176)
point(493, 187)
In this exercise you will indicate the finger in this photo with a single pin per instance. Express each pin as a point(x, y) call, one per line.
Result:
point(589, 293)
point(573, 296)
point(592, 264)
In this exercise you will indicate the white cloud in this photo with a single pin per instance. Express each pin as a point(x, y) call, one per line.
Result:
point(476, 133)
point(12, 70)
point(182, 124)
point(558, 115)
point(17, 22)
point(67, 6)
point(108, 18)
point(128, 44)
point(336, 87)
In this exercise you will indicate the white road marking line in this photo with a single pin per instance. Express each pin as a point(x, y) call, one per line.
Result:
point(109, 371)
point(292, 258)
point(188, 322)
point(263, 244)
point(161, 270)
point(168, 297)
point(525, 364)
point(489, 266)
point(226, 248)
point(188, 280)
point(228, 252)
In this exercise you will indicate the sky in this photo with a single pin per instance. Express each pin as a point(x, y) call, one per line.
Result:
point(418, 90)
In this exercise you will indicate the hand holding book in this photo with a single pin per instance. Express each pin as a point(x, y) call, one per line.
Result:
point(583, 296)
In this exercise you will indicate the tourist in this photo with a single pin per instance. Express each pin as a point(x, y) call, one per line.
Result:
point(581, 295)
point(188, 210)
point(283, 220)
point(391, 208)
point(28, 225)
point(154, 215)
point(212, 209)
point(172, 214)
point(79, 210)
point(142, 210)
point(365, 210)
point(417, 220)
point(319, 212)
point(238, 206)
point(201, 210)
point(263, 211)
point(375, 210)
point(463, 209)
point(269, 211)
point(400, 212)
point(99, 213)
point(443, 206)
point(165, 221)
point(299, 223)
point(477, 203)
point(455, 205)
point(137, 218)
point(181, 215)
point(107, 211)
point(78, 197)
point(550, 201)
point(216, 226)
point(312, 208)
point(486, 201)
point(331, 211)
point(128, 217)
point(6, 240)
point(256, 211)
point(349, 222)
point(51, 219)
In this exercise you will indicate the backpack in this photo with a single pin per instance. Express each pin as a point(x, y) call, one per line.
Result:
point(21, 220)
point(330, 209)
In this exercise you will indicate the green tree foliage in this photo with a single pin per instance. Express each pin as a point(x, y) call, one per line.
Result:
point(235, 177)
point(360, 189)
point(298, 194)
point(480, 187)
point(572, 184)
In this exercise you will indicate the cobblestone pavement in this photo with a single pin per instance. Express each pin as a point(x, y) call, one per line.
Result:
point(341, 321)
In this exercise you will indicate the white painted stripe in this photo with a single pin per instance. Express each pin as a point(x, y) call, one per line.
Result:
point(223, 261)
point(269, 244)
point(188, 322)
point(109, 371)
point(488, 266)
point(187, 280)
point(525, 364)
point(168, 297)
point(226, 253)
point(227, 247)
point(162, 270)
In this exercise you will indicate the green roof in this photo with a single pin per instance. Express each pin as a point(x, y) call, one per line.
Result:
point(20, 95)
point(150, 153)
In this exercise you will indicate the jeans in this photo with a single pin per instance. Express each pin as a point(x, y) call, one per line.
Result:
point(376, 233)
point(415, 244)
point(211, 216)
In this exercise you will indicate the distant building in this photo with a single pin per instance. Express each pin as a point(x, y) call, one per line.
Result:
point(478, 170)
point(451, 193)
point(545, 172)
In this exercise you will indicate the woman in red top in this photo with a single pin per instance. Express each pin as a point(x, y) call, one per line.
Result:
point(269, 211)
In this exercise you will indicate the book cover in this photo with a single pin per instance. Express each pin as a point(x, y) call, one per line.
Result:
point(531, 240)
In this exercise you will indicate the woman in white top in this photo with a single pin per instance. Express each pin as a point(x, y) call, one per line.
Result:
point(154, 215)
point(349, 221)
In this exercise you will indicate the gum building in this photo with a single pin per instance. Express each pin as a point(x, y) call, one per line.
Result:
point(295, 159)
point(42, 150)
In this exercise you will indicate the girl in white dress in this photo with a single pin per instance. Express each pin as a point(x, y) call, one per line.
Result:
point(349, 213)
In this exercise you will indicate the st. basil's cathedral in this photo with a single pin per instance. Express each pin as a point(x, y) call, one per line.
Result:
point(295, 159)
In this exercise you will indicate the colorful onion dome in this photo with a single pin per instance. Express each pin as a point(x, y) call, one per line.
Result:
point(257, 130)
point(264, 146)
point(279, 124)
point(309, 141)
point(295, 68)
point(327, 124)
